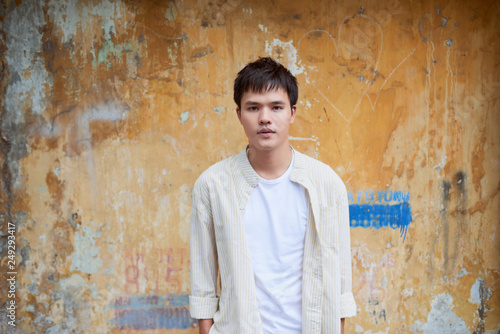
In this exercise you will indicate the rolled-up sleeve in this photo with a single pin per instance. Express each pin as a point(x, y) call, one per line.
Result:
point(347, 302)
point(203, 301)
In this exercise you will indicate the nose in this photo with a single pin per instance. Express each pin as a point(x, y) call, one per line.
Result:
point(265, 116)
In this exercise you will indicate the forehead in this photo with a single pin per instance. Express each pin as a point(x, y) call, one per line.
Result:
point(266, 96)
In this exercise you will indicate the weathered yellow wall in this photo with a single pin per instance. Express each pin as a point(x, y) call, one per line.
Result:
point(111, 109)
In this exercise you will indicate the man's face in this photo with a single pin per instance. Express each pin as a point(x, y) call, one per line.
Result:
point(266, 118)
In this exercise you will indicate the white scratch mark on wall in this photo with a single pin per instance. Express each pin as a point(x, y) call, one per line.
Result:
point(390, 74)
point(331, 104)
point(441, 165)
point(313, 138)
point(109, 111)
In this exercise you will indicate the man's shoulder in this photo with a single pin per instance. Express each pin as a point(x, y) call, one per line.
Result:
point(218, 171)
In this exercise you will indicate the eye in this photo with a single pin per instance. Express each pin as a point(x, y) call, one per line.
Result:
point(277, 108)
point(253, 108)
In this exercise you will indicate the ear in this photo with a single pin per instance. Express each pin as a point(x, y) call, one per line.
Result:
point(294, 112)
point(238, 112)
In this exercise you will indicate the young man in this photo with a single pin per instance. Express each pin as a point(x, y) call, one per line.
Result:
point(273, 221)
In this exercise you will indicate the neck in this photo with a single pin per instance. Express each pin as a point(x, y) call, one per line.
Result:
point(270, 164)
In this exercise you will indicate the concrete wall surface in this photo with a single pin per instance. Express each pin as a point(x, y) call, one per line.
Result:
point(110, 110)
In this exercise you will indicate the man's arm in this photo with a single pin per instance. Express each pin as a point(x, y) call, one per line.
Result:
point(205, 325)
point(342, 323)
point(203, 301)
point(347, 303)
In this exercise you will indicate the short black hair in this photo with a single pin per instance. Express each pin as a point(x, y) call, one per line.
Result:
point(263, 75)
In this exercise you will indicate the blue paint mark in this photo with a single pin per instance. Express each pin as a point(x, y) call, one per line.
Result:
point(370, 195)
point(150, 301)
point(143, 312)
point(381, 215)
point(386, 196)
point(160, 318)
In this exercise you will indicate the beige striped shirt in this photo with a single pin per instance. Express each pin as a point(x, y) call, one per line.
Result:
point(218, 243)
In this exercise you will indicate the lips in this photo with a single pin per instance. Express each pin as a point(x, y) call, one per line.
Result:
point(265, 130)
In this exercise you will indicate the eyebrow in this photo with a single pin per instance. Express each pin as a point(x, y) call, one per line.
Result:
point(253, 103)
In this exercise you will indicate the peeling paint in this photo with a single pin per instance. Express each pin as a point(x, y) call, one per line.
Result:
point(444, 22)
point(478, 292)
point(171, 11)
point(70, 16)
point(27, 91)
point(219, 110)
point(441, 318)
point(279, 49)
point(462, 273)
point(184, 117)
point(86, 257)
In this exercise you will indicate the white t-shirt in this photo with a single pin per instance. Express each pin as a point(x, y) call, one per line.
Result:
point(275, 221)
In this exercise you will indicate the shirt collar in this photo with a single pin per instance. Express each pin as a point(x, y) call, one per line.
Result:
point(297, 175)
point(246, 169)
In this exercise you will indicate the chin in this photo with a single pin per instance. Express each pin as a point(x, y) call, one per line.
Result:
point(264, 148)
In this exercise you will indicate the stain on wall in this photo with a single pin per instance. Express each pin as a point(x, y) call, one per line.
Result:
point(110, 110)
